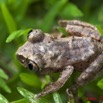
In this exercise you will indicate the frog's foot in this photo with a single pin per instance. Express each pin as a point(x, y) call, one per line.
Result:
point(72, 90)
point(72, 95)
point(69, 93)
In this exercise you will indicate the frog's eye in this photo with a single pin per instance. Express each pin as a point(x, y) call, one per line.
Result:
point(32, 66)
point(35, 35)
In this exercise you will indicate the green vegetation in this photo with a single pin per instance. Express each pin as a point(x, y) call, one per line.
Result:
point(17, 17)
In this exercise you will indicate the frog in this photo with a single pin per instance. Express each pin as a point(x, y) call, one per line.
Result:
point(44, 54)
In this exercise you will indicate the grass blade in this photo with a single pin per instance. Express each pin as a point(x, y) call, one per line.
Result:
point(100, 84)
point(70, 10)
point(50, 16)
point(11, 24)
point(57, 98)
point(3, 99)
point(4, 86)
point(100, 29)
point(30, 96)
point(16, 34)
point(24, 100)
point(3, 74)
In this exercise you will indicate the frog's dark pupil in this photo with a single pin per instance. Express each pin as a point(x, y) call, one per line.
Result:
point(30, 66)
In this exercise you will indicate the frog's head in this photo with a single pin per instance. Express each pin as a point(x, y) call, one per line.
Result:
point(28, 54)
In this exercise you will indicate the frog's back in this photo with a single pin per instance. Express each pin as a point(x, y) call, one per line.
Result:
point(81, 51)
point(81, 48)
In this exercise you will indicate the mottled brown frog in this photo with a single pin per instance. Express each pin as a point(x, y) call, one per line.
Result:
point(81, 51)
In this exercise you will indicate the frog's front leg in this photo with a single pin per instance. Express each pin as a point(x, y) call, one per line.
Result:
point(65, 74)
point(89, 74)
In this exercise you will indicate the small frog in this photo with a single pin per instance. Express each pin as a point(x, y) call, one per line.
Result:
point(81, 51)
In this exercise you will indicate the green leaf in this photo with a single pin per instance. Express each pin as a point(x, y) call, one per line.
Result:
point(30, 96)
point(30, 79)
point(2, 1)
point(16, 34)
point(46, 81)
point(21, 10)
point(3, 74)
point(70, 10)
point(11, 24)
point(100, 84)
point(3, 99)
point(50, 16)
point(25, 93)
point(63, 31)
point(25, 100)
point(4, 86)
point(80, 93)
point(100, 15)
point(100, 29)
point(57, 98)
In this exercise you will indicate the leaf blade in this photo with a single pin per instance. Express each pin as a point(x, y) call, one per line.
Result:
point(10, 22)
point(100, 29)
point(4, 86)
point(30, 79)
point(24, 100)
point(3, 74)
point(3, 99)
point(30, 96)
point(50, 16)
point(70, 10)
point(100, 84)
point(16, 34)
point(57, 98)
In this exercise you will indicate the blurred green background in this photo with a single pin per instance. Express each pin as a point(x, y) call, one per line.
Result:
point(18, 17)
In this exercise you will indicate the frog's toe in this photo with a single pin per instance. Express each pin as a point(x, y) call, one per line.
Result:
point(69, 93)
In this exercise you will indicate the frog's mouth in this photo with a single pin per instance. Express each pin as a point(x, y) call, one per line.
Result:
point(28, 63)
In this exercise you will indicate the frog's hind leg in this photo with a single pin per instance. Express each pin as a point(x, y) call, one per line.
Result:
point(64, 23)
point(89, 74)
point(83, 31)
point(79, 28)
